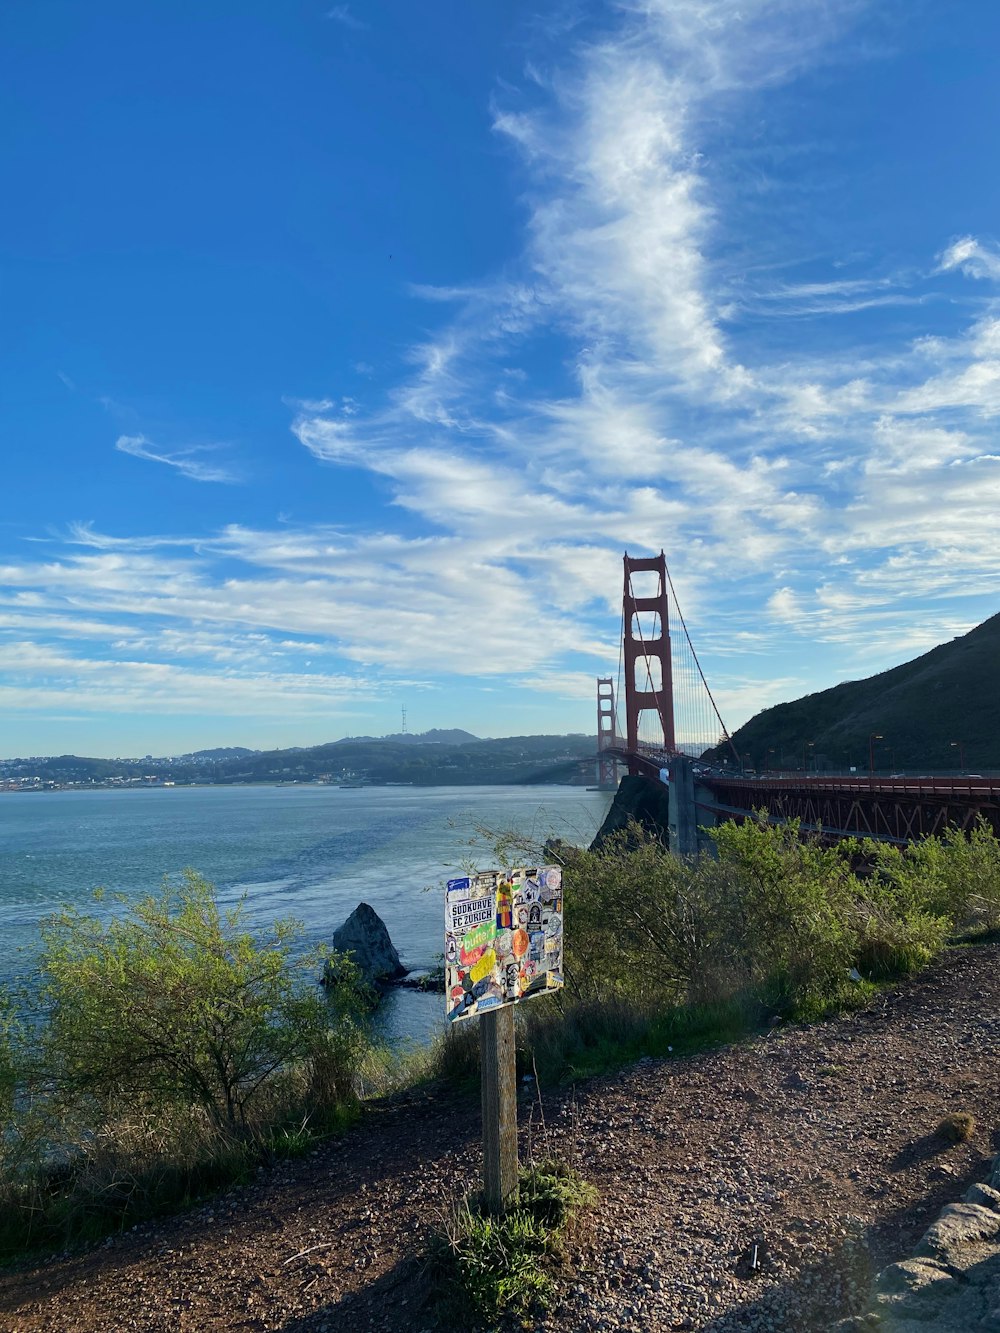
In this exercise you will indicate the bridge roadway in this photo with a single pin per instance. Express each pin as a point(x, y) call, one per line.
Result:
point(893, 809)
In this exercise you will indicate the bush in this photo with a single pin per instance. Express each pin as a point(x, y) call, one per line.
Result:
point(641, 924)
point(168, 1049)
point(955, 877)
point(777, 920)
point(769, 915)
point(791, 908)
point(173, 1005)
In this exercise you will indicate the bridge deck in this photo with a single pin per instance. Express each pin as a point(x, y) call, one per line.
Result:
point(898, 809)
point(895, 808)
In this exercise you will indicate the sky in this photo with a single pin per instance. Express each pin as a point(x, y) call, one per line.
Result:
point(345, 350)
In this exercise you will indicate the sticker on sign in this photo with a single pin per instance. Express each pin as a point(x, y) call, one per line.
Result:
point(492, 956)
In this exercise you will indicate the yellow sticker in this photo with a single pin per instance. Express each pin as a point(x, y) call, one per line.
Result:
point(484, 967)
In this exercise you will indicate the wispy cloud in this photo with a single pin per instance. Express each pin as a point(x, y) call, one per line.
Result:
point(186, 461)
point(673, 427)
point(342, 14)
point(827, 491)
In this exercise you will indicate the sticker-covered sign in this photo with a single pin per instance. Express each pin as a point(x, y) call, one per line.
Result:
point(503, 938)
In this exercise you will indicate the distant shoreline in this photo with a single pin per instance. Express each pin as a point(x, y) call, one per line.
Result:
point(335, 786)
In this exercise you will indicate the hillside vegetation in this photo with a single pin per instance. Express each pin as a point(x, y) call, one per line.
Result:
point(920, 710)
point(164, 1051)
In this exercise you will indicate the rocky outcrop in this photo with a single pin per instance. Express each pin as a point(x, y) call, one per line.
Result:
point(648, 803)
point(952, 1282)
point(364, 936)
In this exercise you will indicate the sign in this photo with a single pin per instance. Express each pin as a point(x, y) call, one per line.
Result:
point(503, 938)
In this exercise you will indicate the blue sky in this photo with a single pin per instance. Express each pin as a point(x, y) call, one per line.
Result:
point(346, 348)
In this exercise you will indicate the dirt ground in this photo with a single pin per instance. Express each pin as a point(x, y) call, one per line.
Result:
point(748, 1188)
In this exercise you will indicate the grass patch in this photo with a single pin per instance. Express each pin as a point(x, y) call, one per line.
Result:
point(842, 999)
point(564, 1041)
point(579, 1041)
point(482, 1268)
point(957, 1127)
point(104, 1186)
point(584, 1040)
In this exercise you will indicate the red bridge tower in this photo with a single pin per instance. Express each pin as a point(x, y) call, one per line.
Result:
point(642, 649)
point(607, 734)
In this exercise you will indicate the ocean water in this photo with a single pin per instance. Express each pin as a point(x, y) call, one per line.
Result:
point(309, 852)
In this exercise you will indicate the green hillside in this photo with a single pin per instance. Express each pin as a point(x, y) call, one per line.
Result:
point(919, 709)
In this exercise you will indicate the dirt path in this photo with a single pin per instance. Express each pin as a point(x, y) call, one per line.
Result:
point(777, 1145)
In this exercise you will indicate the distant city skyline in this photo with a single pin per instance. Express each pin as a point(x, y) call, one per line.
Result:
point(347, 350)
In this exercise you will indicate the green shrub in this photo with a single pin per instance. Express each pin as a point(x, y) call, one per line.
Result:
point(769, 914)
point(176, 1004)
point(955, 876)
point(775, 920)
point(791, 907)
point(971, 876)
point(642, 925)
point(483, 1268)
point(168, 1049)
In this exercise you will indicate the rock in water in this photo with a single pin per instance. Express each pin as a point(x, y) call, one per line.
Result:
point(364, 936)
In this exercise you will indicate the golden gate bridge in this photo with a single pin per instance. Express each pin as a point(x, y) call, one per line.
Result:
point(673, 732)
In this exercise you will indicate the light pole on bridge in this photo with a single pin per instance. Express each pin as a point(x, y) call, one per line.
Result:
point(961, 754)
point(875, 736)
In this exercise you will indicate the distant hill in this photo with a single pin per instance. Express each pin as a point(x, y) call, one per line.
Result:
point(920, 710)
point(436, 736)
point(514, 759)
point(221, 752)
point(433, 759)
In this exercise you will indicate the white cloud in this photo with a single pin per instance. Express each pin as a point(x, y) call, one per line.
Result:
point(826, 493)
point(974, 259)
point(163, 689)
point(186, 461)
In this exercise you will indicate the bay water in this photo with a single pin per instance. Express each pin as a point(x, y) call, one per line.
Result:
point(309, 852)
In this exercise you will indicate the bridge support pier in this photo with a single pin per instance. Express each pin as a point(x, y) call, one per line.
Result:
point(687, 812)
point(683, 829)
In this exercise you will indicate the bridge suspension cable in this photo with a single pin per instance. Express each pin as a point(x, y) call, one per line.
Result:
point(723, 736)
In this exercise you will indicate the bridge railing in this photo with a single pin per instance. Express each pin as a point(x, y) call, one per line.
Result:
point(935, 785)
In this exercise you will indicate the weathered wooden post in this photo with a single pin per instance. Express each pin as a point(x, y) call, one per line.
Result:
point(499, 1095)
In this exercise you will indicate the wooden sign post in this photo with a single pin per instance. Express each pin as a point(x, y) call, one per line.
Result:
point(499, 1080)
point(502, 945)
